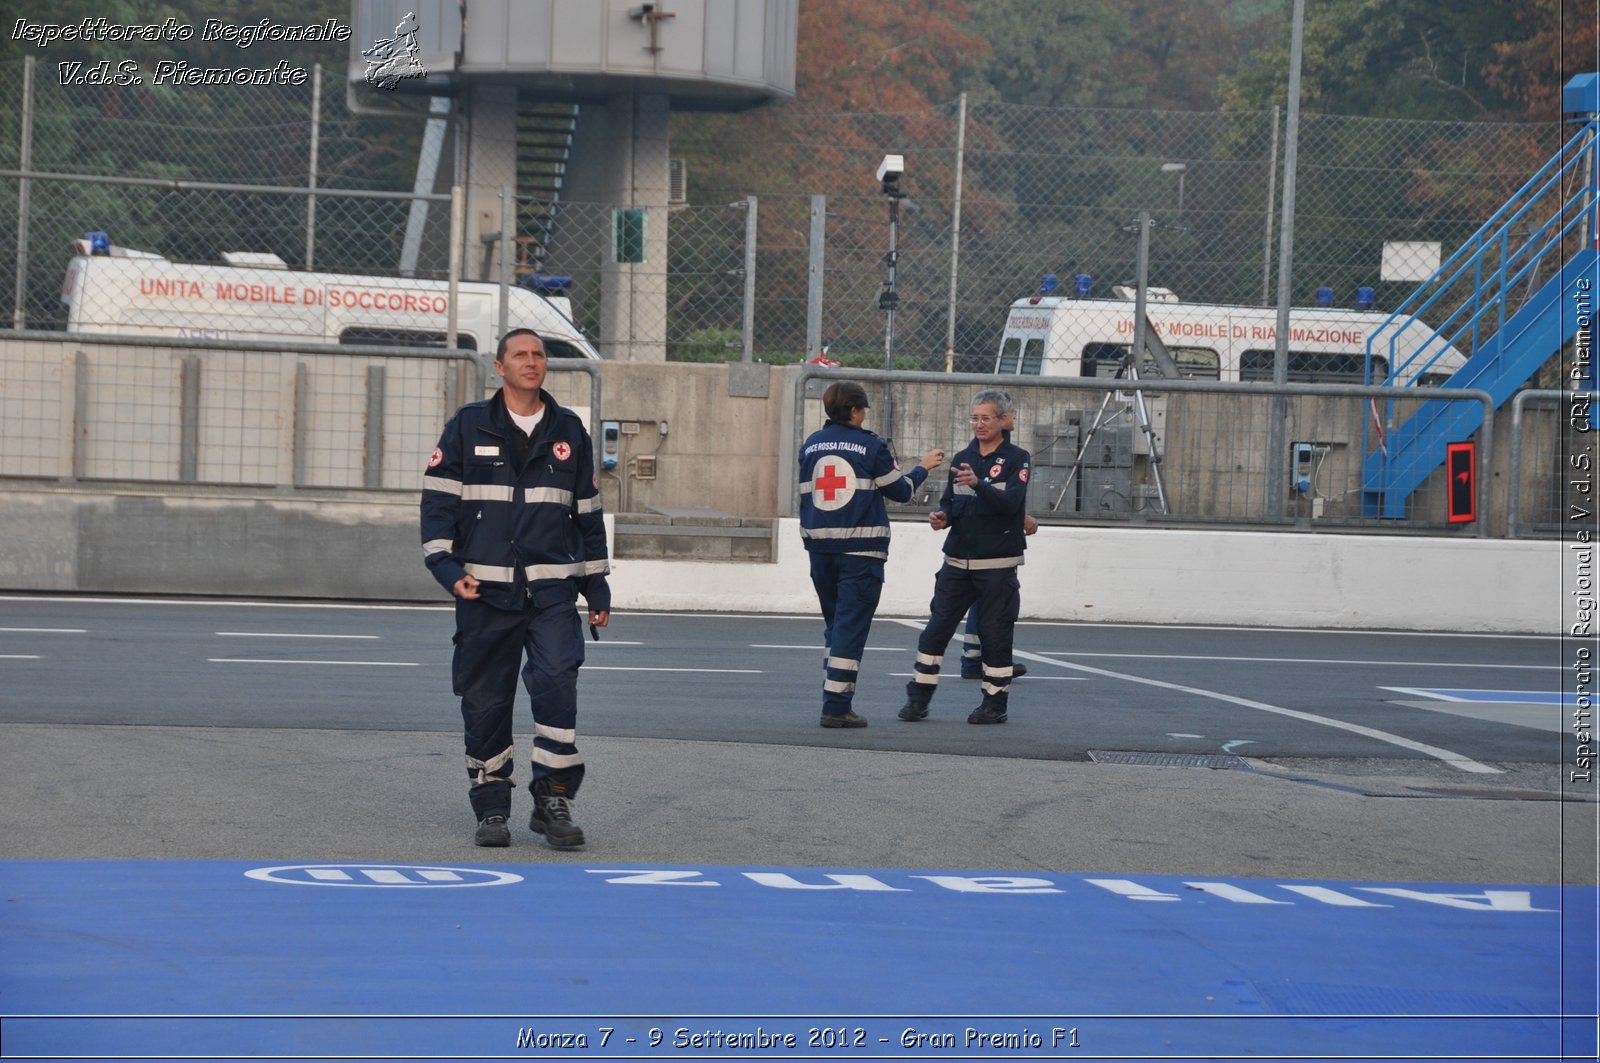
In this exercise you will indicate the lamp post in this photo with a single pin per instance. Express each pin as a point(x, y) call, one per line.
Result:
point(1179, 168)
point(889, 173)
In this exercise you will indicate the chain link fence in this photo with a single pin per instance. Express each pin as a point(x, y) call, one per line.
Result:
point(1041, 191)
point(1059, 192)
point(694, 300)
point(1193, 453)
point(996, 198)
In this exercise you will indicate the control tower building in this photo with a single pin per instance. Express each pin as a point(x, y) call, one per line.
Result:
point(569, 101)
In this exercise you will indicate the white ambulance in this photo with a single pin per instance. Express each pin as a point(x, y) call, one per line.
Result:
point(1053, 335)
point(255, 296)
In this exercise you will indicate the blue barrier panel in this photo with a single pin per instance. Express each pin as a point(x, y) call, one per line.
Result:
point(234, 960)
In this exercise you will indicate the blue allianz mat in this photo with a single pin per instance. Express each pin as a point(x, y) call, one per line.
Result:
point(232, 960)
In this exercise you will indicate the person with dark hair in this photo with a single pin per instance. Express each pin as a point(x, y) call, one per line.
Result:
point(845, 474)
point(512, 528)
point(983, 506)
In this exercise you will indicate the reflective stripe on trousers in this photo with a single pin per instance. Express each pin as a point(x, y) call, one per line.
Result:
point(996, 595)
point(491, 645)
point(848, 587)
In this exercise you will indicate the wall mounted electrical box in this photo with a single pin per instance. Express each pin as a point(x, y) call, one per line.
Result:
point(1302, 455)
point(610, 444)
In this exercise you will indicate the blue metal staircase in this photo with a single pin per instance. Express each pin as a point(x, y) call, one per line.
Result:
point(1483, 291)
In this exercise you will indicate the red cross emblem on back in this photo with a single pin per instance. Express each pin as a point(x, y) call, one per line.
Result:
point(830, 482)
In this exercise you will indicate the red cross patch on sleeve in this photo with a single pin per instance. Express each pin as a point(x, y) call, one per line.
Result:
point(437, 459)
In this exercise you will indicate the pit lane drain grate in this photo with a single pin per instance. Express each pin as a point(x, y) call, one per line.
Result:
point(1168, 760)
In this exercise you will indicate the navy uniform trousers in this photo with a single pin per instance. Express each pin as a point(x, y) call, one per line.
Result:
point(997, 595)
point(490, 645)
point(848, 588)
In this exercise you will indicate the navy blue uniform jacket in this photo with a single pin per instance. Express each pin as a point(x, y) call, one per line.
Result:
point(986, 520)
point(526, 523)
point(844, 474)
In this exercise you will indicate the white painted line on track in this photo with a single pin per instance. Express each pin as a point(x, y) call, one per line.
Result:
point(1433, 694)
point(289, 635)
point(44, 630)
point(1301, 660)
point(1455, 760)
point(19, 657)
point(1014, 679)
point(916, 623)
point(279, 660)
point(818, 649)
point(702, 671)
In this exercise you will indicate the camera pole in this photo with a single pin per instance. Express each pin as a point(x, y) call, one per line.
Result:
point(888, 298)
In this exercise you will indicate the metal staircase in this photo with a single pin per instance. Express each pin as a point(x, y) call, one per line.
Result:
point(544, 148)
point(1509, 298)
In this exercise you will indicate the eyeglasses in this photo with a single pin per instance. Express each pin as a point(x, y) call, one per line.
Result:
point(983, 418)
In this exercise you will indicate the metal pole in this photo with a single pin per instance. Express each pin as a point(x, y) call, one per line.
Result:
point(1272, 195)
point(457, 225)
point(1277, 434)
point(508, 206)
point(888, 300)
point(1140, 297)
point(749, 278)
point(427, 173)
point(189, 419)
point(316, 144)
point(372, 452)
point(19, 312)
point(815, 274)
point(955, 236)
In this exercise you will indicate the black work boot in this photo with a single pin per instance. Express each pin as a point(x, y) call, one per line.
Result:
point(552, 817)
point(988, 712)
point(916, 706)
point(492, 832)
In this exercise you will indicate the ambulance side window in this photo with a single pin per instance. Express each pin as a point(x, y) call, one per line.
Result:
point(1313, 367)
point(399, 337)
point(1103, 359)
point(1010, 356)
point(561, 349)
point(1033, 357)
point(1194, 363)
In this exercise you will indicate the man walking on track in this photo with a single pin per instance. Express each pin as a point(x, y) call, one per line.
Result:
point(511, 526)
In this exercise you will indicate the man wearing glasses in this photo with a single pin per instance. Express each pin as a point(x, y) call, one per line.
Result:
point(983, 507)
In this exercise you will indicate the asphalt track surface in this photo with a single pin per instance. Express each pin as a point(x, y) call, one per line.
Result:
point(239, 830)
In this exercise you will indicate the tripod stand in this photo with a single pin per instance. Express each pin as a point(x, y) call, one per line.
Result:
point(1130, 369)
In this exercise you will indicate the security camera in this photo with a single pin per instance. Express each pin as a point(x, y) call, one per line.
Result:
point(891, 167)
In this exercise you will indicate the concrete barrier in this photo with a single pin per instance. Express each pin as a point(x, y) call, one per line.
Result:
point(367, 548)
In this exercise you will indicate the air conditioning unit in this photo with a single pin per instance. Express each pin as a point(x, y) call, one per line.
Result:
point(677, 181)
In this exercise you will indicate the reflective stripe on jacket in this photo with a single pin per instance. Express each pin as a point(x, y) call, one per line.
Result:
point(519, 516)
point(845, 473)
point(986, 520)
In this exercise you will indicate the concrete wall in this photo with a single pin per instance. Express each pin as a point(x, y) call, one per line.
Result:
point(100, 409)
point(721, 449)
point(129, 542)
point(85, 421)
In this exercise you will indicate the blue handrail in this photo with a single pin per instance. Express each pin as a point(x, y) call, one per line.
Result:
point(1541, 218)
point(1469, 258)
